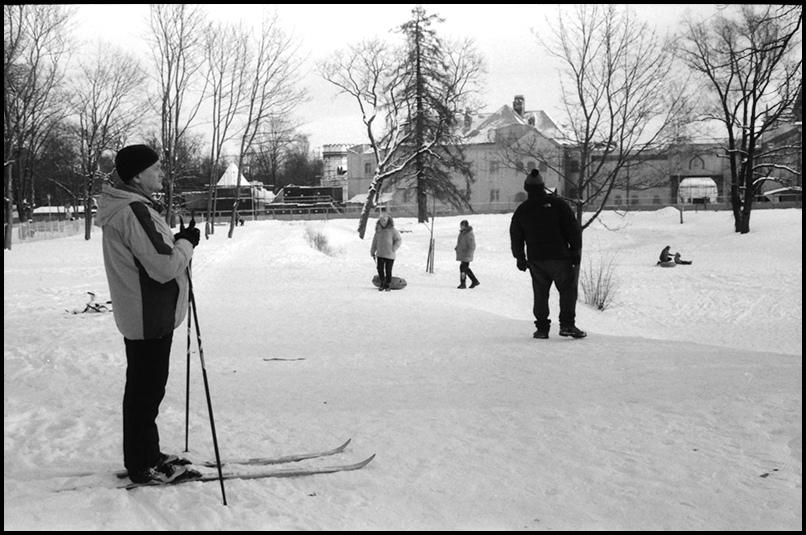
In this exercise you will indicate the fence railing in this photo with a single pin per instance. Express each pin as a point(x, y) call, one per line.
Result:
point(47, 230)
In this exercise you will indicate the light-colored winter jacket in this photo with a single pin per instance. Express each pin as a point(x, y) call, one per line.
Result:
point(145, 268)
point(386, 241)
point(465, 245)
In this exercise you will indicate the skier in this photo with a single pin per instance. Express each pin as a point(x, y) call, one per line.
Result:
point(385, 242)
point(546, 225)
point(465, 247)
point(146, 267)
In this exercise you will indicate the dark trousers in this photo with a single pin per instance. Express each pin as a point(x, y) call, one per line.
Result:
point(146, 377)
point(385, 269)
point(465, 271)
point(564, 276)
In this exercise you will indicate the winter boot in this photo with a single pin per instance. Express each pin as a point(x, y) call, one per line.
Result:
point(462, 282)
point(474, 279)
point(572, 331)
point(542, 332)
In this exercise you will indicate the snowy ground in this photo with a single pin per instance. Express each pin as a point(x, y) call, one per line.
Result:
point(681, 410)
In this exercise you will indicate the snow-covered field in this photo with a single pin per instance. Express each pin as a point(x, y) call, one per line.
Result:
point(681, 410)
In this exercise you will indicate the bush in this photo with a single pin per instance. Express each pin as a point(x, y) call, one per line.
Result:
point(318, 241)
point(599, 283)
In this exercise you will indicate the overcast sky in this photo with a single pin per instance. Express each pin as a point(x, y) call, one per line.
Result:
point(504, 34)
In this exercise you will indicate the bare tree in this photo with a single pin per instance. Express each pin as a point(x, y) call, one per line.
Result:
point(276, 141)
point(272, 88)
point(751, 65)
point(363, 71)
point(619, 97)
point(227, 58)
point(107, 106)
point(35, 40)
point(177, 32)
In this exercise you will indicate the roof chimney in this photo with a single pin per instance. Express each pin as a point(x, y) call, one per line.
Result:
point(519, 105)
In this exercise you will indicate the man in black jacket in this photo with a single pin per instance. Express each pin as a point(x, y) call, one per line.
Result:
point(546, 225)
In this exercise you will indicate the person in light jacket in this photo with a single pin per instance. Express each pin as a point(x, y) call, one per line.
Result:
point(465, 247)
point(147, 271)
point(385, 242)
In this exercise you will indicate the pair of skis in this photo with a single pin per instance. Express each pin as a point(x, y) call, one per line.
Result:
point(261, 474)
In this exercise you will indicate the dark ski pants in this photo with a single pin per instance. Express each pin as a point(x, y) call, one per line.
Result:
point(146, 377)
point(564, 276)
point(385, 269)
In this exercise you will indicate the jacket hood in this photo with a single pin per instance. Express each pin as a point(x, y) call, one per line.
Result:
point(389, 224)
point(114, 199)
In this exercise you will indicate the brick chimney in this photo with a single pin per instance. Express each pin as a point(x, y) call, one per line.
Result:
point(519, 105)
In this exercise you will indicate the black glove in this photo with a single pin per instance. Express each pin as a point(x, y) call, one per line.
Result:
point(523, 265)
point(576, 257)
point(189, 233)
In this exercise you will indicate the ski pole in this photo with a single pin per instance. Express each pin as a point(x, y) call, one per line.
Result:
point(187, 378)
point(187, 382)
point(192, 300)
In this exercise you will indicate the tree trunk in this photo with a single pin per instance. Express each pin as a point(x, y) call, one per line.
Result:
point(88, 216)
point(369, 204)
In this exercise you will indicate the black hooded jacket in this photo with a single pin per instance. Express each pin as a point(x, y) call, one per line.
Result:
point(547, 226)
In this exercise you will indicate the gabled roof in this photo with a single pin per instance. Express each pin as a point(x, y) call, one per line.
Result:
point(506, 117)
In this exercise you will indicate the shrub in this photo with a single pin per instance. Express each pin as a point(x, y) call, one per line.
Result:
point(598, 281)
point(318, 240)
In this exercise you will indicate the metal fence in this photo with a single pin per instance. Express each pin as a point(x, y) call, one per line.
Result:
point(47, 230)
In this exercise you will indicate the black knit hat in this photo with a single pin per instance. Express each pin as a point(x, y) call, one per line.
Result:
point(132, 160)
point(533, 182)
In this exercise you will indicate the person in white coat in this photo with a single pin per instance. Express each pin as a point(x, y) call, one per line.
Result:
point(385, 243)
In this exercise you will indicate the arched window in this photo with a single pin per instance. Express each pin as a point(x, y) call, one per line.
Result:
point(531, 165)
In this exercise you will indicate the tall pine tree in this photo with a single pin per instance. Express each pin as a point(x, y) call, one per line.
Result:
point(433, 91)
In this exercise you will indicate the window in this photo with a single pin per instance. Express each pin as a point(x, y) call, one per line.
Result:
point(531, 165)
point(519, 168)
point(543, 167)
point(494, 195)
point(367, 168)
point(493, 166)
point(573, 166)
point(617, 200)
point(656, 199)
